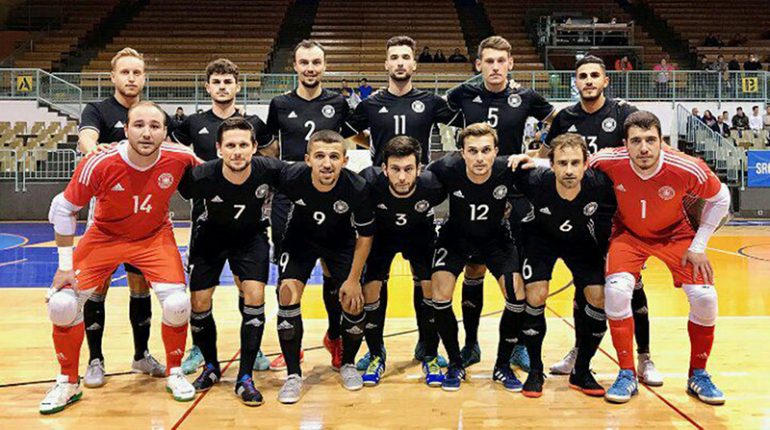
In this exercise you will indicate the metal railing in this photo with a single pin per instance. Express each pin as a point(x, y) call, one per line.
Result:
point(9, 166)
point(46, 88)
point(712, 146)
point(47, 165)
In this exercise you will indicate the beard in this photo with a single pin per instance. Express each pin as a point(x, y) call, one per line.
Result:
point(599, 93)
point(310, 85)
point(404, 193)
point(406, 78)
point(235, 169)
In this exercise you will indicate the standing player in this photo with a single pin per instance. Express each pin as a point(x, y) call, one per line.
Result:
point(199, 130)
point(104, 122)
point(600, 121)
point(478, 183)
point(292, 118)
point(232, 190)
point(652, 182)
point(404, 198)
point(331, 220)
point(506, 109)
point(401, 109)
point(573, 209)
point(133, 183)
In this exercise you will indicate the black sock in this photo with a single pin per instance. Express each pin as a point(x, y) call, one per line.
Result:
point(578, 303)
point(140, 314)
point(93, 319)
point(418, 311)
point(252, 328)
point(473, 302)
point(290, 333)
point(352, 335)
point(593, 331)
point(430, 338)
point(372, 330)
point(446, 324)
point(641, 319)
point(381, 312)
point(333, 307)
point(510, 328)
point(204, 333)
point(533, 333)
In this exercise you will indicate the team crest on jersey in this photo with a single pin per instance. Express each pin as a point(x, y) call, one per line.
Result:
point(328, 111)
point(590, 209)
point(500, 192)
point(666, 193)
point(165, 180)
point(514, 100)
point(609, 125)
point(340, 207)
point(418, 106)
point(262, 191)
point(421, 206)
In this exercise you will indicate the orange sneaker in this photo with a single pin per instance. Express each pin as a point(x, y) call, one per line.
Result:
point(280, 363)
point(335, 349)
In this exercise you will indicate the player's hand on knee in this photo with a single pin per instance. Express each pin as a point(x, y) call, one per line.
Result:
point(701, 266)
point(352, 297)
point(61, 279)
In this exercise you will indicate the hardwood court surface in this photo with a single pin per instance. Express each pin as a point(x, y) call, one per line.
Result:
point(739, 364)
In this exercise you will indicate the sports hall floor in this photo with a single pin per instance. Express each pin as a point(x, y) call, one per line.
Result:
point(740, 360)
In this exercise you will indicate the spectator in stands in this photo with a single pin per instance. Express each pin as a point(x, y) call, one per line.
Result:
point(711, 40)
point(720, 66)
point(179, 116)
point(725, 117)
point(733, 65)
point(425, 56)
point(721, 126)
point(623, 65)
point(439, 57)
point(350, 96)
point(709, 119)
point(457, 57)
point(752, 63)
point(740, 121)
point(755, 121)
point(364, 89)
point(662, 77)
point(346, 88)
point(695, 112)
point(737, 40)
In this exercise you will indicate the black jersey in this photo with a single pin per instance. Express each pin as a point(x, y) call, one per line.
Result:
point(401, 216)
point(200, 131)
point(601, 129)
point(585, 219)
point(292, 120)
point(232, 211)
point(506, 111)
point(387, 116)
point(476, 211)
point(330, 219)
point(108, 118)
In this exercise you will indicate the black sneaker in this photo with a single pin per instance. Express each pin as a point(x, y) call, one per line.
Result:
point(533, 386)
point(208, 377)
point(246, 391)
point(585, 382)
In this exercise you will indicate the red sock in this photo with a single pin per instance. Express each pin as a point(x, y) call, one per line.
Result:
point(67, 342)
point(174, 339)
point(701, 341)
point(622, 332)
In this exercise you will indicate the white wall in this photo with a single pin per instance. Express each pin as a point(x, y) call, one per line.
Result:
point(27, 110)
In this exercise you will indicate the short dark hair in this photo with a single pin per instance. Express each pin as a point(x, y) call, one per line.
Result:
point(402, 146)
point(643, 119)
point(307, 44)
point(568, 140)
point(401, 41)
point(478, 129)
point(326, 136)
point(221, 66)
point(150, 104)
point(494, 42)
point(235, 123)
point(590, 59)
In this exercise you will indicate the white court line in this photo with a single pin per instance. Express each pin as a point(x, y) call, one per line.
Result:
point(8, 263)
point(727, 252)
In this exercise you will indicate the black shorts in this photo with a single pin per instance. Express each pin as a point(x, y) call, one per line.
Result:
point(586, 261)
point(498, 253)
point(279, 215)
point(249, 260)
point(418, 250)
point(298, 258)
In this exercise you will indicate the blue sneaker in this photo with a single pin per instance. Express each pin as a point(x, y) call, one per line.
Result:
point(419, 355)
point(623, 388)
point(507, 377)
point(193, 361)
point(432, 371)
point(699, 385)
point(471, 354)
point(247, 393)
point(374, 372)
point(453, 378)
point(262, 363)
point(363, 363)
point(520, 357)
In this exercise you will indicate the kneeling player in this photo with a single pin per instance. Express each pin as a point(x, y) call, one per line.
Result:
point(404, 199)
point(332, 220)
point(477, 183)
point(233, 190)
point(571, 220)
point(133, 183)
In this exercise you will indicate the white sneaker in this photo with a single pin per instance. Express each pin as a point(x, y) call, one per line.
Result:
point(565, 366)
point(647, 372)
point(351, 379)
point(291, 390)
point(149, 366)
point(178, 386)
point(94, 374)
point(61, 395)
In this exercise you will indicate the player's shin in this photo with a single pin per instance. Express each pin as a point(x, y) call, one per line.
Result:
point(472, 305)
point(431, 337)
point(333, 307)
point(252, 329)
point(510, 327)
point(352, 335)
point(641, 319)
point(618, 290)
point(533, 333)
point(93, 319)
point(702, 320)
point(372, 329)
point(290, 331)
point(140, 315)
point(204, 334)
point(176, 315)
point(446, 324)
point(591, 337)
